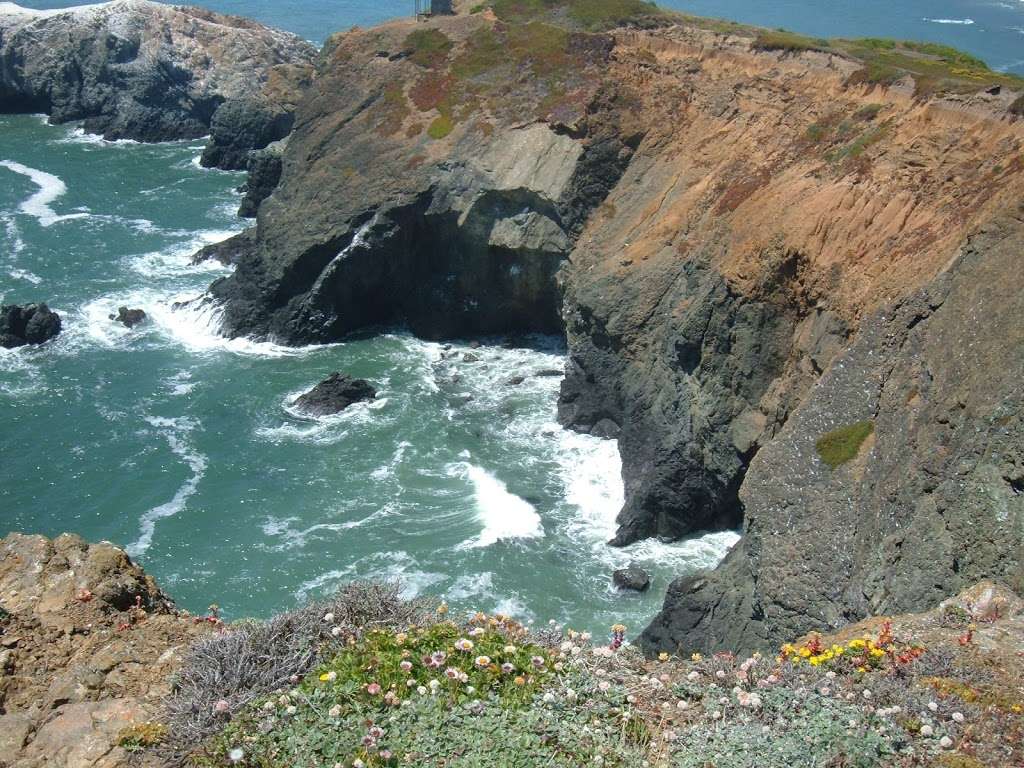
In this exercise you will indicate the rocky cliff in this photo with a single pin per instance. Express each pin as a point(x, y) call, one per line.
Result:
point(134, 69)
point(87, 645)
point(784, 268)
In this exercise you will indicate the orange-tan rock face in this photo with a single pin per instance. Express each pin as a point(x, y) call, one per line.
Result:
point(86, 651)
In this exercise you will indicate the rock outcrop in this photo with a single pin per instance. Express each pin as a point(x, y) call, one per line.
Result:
point(87, 646)
point(334, 394)
point(129, 318)
point(743, 241)
point(134, 69)
point(28, 324)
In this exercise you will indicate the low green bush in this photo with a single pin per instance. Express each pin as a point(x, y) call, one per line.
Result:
point(841, 445)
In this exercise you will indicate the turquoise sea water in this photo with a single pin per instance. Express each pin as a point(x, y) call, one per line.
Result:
point(181, 445)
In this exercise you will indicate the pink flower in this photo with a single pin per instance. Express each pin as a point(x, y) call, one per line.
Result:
point(508, 668)
point(373, 689)
point(438, 658)
point(405, 666)
point(452, 673)
point(537, 661)
point(221, 707)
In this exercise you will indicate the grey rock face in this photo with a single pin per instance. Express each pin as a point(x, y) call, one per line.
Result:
point(632, 577)
point(932, 501)
point(28, 324)
point(133, 69)
point(129, 318)
point(264, 175)
point(334, 394)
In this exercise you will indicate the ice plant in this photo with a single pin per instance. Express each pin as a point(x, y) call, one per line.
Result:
point(618, 636)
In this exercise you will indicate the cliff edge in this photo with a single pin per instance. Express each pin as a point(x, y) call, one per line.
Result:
point(785, 269)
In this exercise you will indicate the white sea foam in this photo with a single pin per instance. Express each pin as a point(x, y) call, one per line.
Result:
point(176, 261)
point(383, 566)
point(24, 274)
point(78, 135)
point(38, 204)
point(176, 432)
point(321, 430)
point(502, 514)
point(964, 22)
point(385, 471)
point(293, 537)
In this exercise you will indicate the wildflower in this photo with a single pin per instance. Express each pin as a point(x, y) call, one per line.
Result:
point(334, 711)
point(329, 677)
point(221, 707)
point(866, 694)
point(477, 631)
point(669, 736)
point(411, 682)
point(284, 701)
point(537, 661)
point(508, 668)
point(927, 730)
point(376, 731)
point(405, 666)
point(570, 694)
point(663, 656)
point(421, 690)
point(400, 638)
point(369, 741)
point(438, 658)
point(519, 680)
point(823, 690)
point(604, 685)
point(291, 710)
point(720, 674)
point(716, 715)
point(357, 763)
point(510, 649)
point(483, 661)
point(269, 706)
point(236, 754)
point(958, 717)
point(945, 742)
point(558, 666)
point(693, 676)
point(328, 617)
point(335, 631)
point(442, 609)
point(549, 697)
point(391, 698)
point(585, 637)
point(696, 657)
point(452, 673)
point(373, 689)
point(631, 699)
point(933, 707)
point(385, 754)
point(463, 644)
point(772, 679)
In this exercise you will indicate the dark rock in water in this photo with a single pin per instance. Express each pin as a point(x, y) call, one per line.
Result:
point(28, 324)
point(632, 577)
point(550, 373)
point(129, 318)
point(470, 357)
point(227, 252)
point(264, 174)
point(515, 381)
point(334, 394)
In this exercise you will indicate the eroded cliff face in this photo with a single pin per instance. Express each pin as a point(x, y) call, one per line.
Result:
point(133, 69)
point(724, 232)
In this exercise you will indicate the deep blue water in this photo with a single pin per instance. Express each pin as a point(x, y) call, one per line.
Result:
point(996, 31)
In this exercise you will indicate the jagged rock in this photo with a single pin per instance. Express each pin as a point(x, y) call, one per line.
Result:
point(470, 357)
point(334, 394)
point(153, 72)
point(550, 373)
point(27, 324)
point(632, 577)
point(264, 175)
point(515, 381)
point(129, 318)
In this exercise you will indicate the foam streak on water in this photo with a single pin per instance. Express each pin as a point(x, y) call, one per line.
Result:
point(38, 204)
point(176, 432)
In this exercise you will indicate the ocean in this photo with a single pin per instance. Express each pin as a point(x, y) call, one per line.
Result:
point(182, 446)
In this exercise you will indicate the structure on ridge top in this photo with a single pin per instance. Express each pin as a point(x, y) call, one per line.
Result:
point(427, 8)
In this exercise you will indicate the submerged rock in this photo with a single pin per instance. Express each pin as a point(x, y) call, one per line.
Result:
point(129, 318)
point(334, 394)
point(28, 324)
point(632, 577)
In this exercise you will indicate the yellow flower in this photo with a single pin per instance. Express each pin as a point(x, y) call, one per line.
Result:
point(400, 638)
point(442, 608)
point(519, 680)
point(618, 627)
point(662, 656)
point(696, 657)
point(805, 652)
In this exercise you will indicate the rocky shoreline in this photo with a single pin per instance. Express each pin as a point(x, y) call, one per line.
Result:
point(146, 71)
point(752, 245)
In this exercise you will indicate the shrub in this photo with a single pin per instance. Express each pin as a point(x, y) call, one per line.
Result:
point(141, 736)
point(1017, 107)
point(251, 659)
point(789, 42)
point(840, 445)
point(427, 47)
point(441, 127)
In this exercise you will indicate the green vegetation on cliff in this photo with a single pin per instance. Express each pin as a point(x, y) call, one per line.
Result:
point(841, 445)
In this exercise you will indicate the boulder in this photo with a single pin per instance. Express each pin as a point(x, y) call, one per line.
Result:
point(334, 394)
point(27, 324)
point(632, 577)
point(129, 318)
